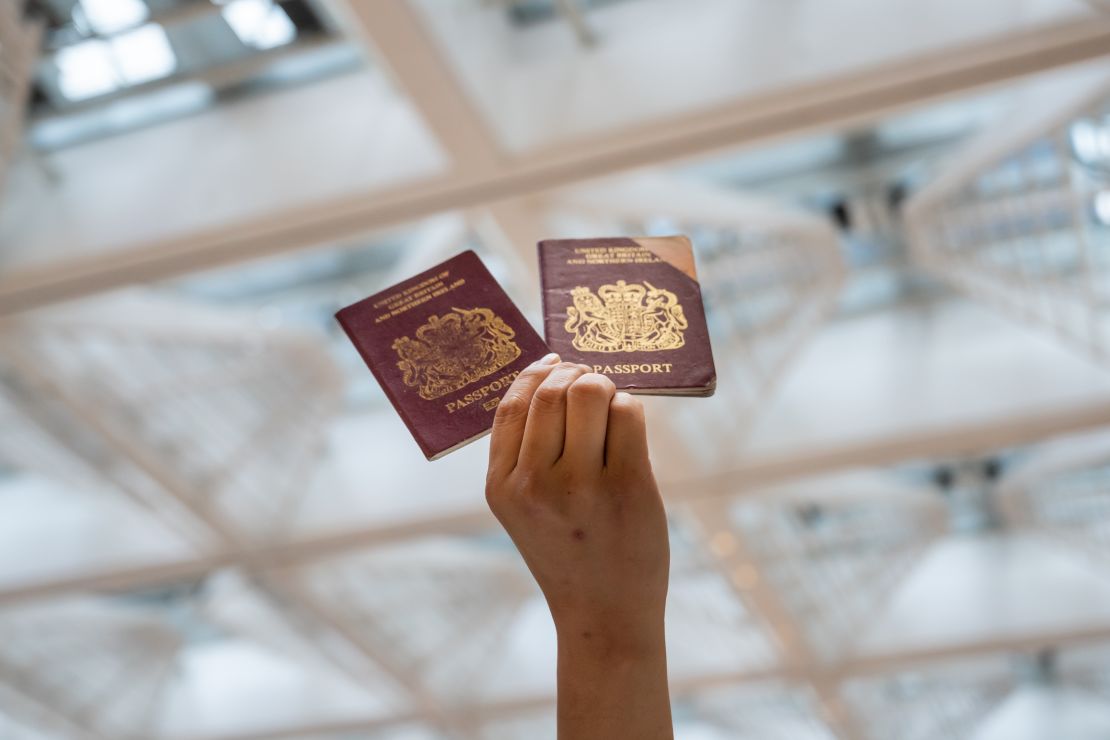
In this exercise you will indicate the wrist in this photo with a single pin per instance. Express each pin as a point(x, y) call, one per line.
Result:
point(608, 639)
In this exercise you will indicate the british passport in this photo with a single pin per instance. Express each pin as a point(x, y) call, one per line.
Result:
point(630, 309)
point(444, 345)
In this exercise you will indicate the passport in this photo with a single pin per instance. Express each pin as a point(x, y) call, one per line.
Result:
point(630, 308)
point(444, 345)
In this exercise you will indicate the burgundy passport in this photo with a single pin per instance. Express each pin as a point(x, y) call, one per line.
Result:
point(631, 309)
point(444, 345)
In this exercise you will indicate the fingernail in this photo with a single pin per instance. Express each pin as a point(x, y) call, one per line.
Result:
point(549, 359)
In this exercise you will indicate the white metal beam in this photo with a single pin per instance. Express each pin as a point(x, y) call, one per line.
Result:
point(970, 440)
point(886, 663)
point(747, 477)
point(743, 572)
point(406, 47)
point(852, 99)
point(487, 711)
point(918, 657)
point(401, 41)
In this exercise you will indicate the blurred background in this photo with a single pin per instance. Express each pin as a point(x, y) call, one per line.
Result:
point(892, 522)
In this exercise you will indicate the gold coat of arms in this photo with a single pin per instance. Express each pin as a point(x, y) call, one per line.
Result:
point(625, 318)
point(454, 350)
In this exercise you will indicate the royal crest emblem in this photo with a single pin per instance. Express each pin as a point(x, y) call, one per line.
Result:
point(454, 350)
point(625, 318)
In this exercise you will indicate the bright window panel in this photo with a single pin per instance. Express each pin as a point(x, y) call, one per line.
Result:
point(144, 54)
point(113, 16)
point(259, 23)
point(86, 70)
point(1102, 207)
point(1091, 141)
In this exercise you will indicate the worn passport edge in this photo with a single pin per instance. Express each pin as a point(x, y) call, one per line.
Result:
point(710, 387)
point(703, 391)
point(692, 273)
point(401, 412)
point(458, 446)
point(381, 381)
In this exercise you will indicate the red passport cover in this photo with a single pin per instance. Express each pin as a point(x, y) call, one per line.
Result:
point(444, 345)
point(631, 309)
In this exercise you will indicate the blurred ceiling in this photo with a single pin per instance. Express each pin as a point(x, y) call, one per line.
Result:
point(892, 521)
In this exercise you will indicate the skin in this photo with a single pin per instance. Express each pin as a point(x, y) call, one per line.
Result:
point(570, 480)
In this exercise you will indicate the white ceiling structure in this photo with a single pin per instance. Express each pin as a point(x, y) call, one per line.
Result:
point(888, 523)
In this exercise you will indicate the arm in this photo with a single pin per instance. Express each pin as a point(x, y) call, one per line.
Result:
point(570, 480)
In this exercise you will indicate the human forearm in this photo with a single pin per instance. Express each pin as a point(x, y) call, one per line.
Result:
point(613, 687)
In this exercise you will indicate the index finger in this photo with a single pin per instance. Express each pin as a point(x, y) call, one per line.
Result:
point(512, 414)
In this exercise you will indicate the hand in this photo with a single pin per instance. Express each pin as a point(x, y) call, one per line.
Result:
point(570, 480)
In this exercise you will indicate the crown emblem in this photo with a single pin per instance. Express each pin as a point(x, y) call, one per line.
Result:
point(454, 350)
point(625, 318)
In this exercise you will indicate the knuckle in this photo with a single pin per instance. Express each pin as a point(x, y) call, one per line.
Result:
point(592, 387)
point(511, 407)
point(532, 371)
point(501, 491)
point(494, 495)
point(627, 405)
point(549, 397)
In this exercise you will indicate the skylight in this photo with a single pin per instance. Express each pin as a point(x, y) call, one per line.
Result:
point(1091, 142)
point(97, 67)
point(86, 70)
point(112, 16)
point(144, 54)
point(1102, 207)
point(259, 23)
